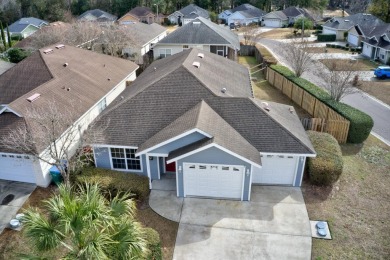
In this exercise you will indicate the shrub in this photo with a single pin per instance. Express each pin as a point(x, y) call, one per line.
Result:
point(115, 181)
point(267, 56)
point(360, 123)
point(326, 37)
point(153, 243)
point(326, 168)
point(16, 55)
point(328, 45)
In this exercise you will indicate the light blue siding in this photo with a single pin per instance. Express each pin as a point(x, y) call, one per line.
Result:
point(153, 168)
point(300, 170)
point(214, 155)
point(186, 140)
point(102, 157)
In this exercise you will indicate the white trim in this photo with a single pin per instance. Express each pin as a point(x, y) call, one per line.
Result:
point(158, 167)
point(159, 52)
point(243, 183)
point(177, 179)
point(296, 169)
point(217, 146)
point(113, 146)
point(250, 185)
point(5, 108)
point(303, 170)
point(124, 170)
point(289, 154)
point(148, 171)
point(21, 32)
point(159, 154)
point(173, 139)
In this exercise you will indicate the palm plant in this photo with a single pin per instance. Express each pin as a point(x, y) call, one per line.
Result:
point(86, 225)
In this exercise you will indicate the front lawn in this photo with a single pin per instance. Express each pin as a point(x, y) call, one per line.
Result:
point(379, 89)
point(322, 50)
point(356, 65)
point(357, 208)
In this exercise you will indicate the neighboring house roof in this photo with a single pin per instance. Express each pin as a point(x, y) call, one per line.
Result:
point(172, 95)
point(243, 7)
point(87, 77)
point(21, 24)
point(144, 33)
point(293, 11)
point(193, 11)
point(202, 31)
point(276, 14)
point(141, 11)
point(365, 22)
point(97, 15)
point(376, 36)
point(247, 10)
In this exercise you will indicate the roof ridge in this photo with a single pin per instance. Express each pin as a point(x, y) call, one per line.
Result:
point(216, 31)
point(283, 127)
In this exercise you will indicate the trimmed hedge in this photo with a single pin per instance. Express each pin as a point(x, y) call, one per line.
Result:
point(326, 37)
point(360, 123)
point(326, 168)
point(115, 181)
point(153, 243)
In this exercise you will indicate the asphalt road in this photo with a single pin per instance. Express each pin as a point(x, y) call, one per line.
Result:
point(379, 111)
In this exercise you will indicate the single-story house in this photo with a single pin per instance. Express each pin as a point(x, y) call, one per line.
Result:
point(356, 25)
point(138, 14)
point(193, 116)
point(66, 76)
point(145, 36)
point(244, 14)
point(376, 45)
point(97, 15)
point(188, 14)
point(286, 17)
point(24, 27)
point(202, 34)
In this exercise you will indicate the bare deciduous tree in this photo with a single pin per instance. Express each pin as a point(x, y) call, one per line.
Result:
point(299, 56)
point(52, 136)
point(251, 34)
point(339, 77)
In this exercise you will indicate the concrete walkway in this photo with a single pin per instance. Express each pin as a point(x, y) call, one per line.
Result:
point(273, 225)
point(12, 197)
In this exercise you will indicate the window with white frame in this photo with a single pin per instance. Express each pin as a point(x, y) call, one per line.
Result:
point(124, 158)
point(165, 53)
point(102, 105)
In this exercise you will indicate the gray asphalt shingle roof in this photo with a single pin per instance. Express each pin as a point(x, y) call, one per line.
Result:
point(98, 15)
point(170, 87)
point(23, 23)
point(143, 33)
point(206, 32)
point(365, 21)
point(194, 9)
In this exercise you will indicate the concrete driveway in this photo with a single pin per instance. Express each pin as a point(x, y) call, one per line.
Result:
point(273, 225)
point(12, 196)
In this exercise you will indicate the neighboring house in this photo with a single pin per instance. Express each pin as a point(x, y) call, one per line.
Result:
point(144, 36)
point(66, 75)
point(24, 27)
point(286, 17)
point(376, 45)
point(188, 14)
point(193, 114)
point(138, 14)
point(201, 34)
point(341, 25)
point(244, 14)
point(97, 15)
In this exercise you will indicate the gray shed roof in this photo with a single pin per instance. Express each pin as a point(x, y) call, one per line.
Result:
point(170, 87)
point(206, 32)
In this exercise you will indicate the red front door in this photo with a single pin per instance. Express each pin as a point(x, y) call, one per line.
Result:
point(170, 167)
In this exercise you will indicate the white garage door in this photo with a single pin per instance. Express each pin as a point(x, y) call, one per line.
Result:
point(213, 180)
point(353, 39)
point(276, 170)
point(367, 50)
point(272, 23)
point(327, 31)
point(16, 168)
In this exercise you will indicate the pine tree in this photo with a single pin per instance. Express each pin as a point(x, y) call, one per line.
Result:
point(3, 35)
point(381, 9)
point(9, 37)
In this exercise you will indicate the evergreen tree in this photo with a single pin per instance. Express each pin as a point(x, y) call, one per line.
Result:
point(3, 35)
point(9, 38)
point(381, 9)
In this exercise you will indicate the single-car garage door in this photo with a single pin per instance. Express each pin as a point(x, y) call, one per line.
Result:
point(276, 170)
point(353, 39)
point(213, 180)
point(272, 23)
point(17, 168)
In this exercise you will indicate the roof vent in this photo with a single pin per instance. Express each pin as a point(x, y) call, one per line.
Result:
point(346, 20)
point(265, 106)
point(33, 97)
point(60, 46)
point(196, 23)
point(66, 64)
point(68, 89)
point(48, 51)
point(223, 90)
point(196, 64)
point(291, 110)
point(201, 55)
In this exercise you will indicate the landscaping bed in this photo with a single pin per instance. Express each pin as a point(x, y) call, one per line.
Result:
point(281, 33)
point(360, 65)
point(379, 89)
point(356, 207)
point(322, 50)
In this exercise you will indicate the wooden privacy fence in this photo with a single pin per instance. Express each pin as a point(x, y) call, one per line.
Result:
point(325, 119)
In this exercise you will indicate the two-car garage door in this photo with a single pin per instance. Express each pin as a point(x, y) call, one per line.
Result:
point(17, 168)
point(276, 170)
point(213, 180)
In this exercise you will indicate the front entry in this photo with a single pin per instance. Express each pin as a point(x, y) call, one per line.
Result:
point(170, 167)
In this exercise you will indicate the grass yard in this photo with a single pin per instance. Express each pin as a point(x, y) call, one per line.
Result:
point(264, 91)
point(357, 208)
point(278, 33)
point(358, 65)
point(322, 50)
point(379, 89)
